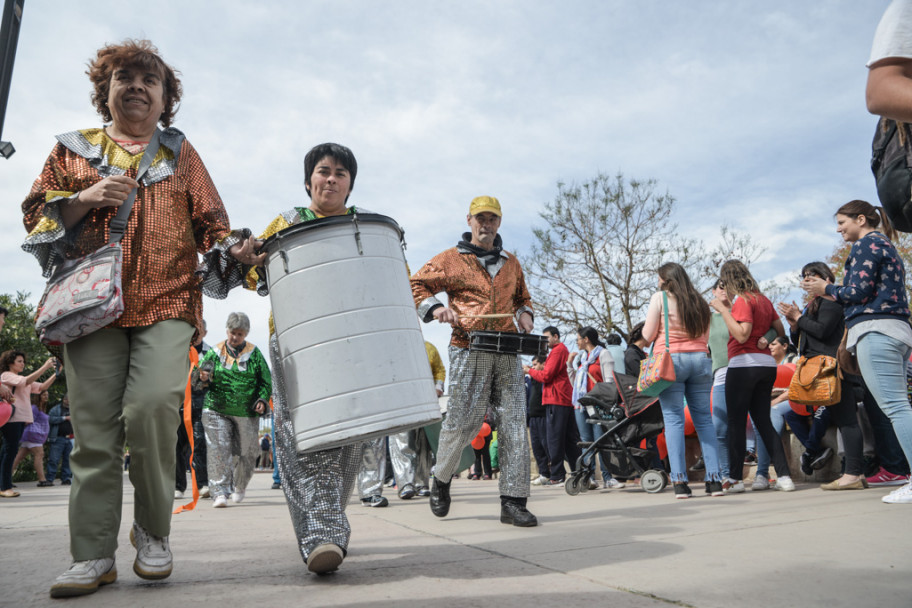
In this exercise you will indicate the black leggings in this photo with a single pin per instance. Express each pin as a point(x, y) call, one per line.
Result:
point(845, 415)
point(747, 391)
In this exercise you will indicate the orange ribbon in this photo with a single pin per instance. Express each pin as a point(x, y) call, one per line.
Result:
point(188, 426)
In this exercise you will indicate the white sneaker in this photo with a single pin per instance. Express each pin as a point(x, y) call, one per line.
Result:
point(785, 484)
point(901, 495)
point(220, 502)
point(593, 484)
point(324, 559)
point(540, 480)
point(204, 492)
point(237, 497)
point(153, 554)
point(761, 483)
point(178, 494)
point(736, 487)
point(614, 484)
point(83, 578)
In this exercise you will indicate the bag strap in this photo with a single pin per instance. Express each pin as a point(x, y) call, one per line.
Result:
point(665, 320)
point(119, 221)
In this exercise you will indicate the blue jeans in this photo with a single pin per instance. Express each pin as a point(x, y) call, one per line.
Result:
point(59, 452)
point(276, 478)
point(720, 422)
point(882, 360)
point(693, 373)
point(588, 433)
point(777, 413)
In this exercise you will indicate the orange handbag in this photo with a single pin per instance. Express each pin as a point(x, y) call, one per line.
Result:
point(817, 382)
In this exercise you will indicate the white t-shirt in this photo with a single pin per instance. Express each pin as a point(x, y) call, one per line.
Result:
point(893, 37)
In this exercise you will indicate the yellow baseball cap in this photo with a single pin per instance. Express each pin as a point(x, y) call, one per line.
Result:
point(481, 204)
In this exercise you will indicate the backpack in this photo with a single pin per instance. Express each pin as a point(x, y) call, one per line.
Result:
point(891, 162)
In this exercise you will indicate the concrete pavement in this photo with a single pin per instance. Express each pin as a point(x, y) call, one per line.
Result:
point(620, 548)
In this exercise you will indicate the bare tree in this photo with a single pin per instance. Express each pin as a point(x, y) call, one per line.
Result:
point(595, 261)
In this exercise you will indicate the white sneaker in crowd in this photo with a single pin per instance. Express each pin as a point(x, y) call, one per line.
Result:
point(614, 484)
point(901, 495)
point(153, 554)
point(178, 494)
point(540, 480)
point(760, 483)
point(83, 578)
point(220, 502)
point(237, 497)
point(735, 487)
point(785, 484)
point(204, 492)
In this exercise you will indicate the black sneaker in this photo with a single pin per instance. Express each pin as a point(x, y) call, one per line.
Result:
point(699, 465)
point(714, 488)
point(806, 458)
point(516, 514)
point(407, 492)
point(66, 482)
point(821, 459)
point(440, 498)
point(682, 490)
point(374, 501)
point(276, 486)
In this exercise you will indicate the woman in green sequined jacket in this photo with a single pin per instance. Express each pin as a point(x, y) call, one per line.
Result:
point(239, 388)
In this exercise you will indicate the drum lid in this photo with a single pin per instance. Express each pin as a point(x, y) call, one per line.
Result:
point(272, 243)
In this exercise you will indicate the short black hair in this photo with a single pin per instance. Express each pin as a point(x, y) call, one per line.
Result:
point(552, 330)
point(4, 311)
point(613, 339)
point(539, 359)
point(337, 152)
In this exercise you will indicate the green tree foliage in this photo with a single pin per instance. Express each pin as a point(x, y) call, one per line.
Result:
point(595, 261)
point(19, 334)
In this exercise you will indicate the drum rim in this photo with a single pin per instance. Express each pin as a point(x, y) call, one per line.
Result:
point(333, 220)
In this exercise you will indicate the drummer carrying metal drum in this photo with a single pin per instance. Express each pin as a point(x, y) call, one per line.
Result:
point(487, 293)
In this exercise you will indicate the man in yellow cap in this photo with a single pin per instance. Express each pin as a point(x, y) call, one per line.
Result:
point(486, 290)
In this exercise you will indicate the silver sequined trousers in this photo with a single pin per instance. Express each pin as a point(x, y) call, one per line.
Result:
point(478, 380)
point(317, 485)
point(373, 468)
point(410, 455)
point(232, 446)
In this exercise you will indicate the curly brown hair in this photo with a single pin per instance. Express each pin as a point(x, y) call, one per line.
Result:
point(133, 54)
point(8, 358)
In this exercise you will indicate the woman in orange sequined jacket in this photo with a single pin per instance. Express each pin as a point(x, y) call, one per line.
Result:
point(126, 381)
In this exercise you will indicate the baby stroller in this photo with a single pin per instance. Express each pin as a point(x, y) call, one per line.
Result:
point(628, 417)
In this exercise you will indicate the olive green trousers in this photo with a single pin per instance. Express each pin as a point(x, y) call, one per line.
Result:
point(124, 385)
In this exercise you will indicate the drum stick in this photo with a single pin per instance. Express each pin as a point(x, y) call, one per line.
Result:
point(496, 316)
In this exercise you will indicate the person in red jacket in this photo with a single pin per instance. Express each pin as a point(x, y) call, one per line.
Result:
point(557, 398)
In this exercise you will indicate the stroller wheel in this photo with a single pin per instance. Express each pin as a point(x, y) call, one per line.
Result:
point(584, 482)
point(652, 481)
point(572, 485)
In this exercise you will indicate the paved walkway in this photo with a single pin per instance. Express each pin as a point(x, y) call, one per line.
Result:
point(621, 548)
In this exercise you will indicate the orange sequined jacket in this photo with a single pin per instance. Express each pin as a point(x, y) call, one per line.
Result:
point(177, 214)
point(471, 290)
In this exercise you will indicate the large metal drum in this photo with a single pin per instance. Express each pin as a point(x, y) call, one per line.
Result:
point(352, 352)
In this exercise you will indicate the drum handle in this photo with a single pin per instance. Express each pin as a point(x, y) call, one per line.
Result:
point(357, 233)
point(284, 257)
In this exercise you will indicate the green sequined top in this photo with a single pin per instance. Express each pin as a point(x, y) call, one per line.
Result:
point(236, 382)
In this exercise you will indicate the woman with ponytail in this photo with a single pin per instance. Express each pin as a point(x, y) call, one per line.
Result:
point(873, 295)
point(751, 371)
point(688, 331)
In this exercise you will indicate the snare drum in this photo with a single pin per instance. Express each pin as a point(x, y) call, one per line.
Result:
point(508, 343)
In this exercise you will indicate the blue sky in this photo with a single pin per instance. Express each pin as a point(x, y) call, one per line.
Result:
point(751, 114)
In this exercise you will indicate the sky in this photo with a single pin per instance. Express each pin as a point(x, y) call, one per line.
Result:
point(750, 114)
